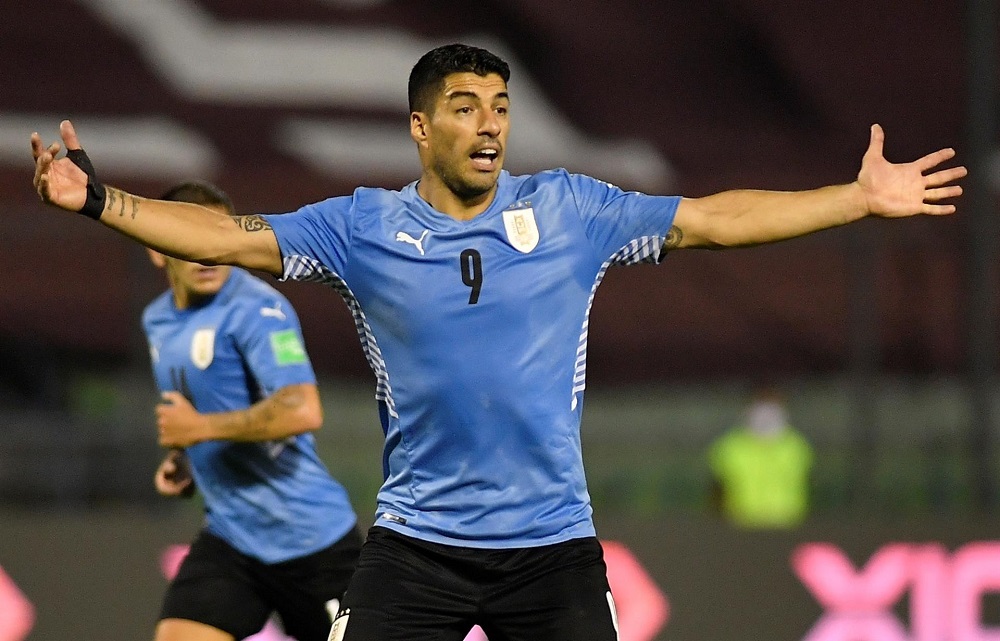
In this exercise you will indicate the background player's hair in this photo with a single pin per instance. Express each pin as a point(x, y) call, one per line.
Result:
point(199, 192)
point(429, 73)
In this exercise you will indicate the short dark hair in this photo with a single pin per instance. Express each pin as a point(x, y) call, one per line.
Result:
point(430, 71)
point(199, 192)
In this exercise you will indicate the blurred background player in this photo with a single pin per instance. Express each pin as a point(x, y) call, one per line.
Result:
point(240, 398)
point(761, 467)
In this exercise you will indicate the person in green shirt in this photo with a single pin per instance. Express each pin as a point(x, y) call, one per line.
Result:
point(761, 468)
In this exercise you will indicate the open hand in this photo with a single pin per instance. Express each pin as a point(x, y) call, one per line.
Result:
point(59, 182)
point(897, 190)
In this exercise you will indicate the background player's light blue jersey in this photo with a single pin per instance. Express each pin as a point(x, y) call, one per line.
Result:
point(477, 333)
point(272, 500)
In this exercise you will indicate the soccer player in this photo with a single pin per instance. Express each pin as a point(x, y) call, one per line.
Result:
point(471, 289)
point(240, 398)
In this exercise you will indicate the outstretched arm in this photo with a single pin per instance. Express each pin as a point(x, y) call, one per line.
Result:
point(182, 230)
point(747, 217)
point(293, 409)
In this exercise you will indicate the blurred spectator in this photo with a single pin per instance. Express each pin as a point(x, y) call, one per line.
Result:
point(761, 467)
point(642, 607)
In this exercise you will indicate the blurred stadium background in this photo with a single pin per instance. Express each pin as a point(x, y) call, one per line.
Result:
point(883, 335)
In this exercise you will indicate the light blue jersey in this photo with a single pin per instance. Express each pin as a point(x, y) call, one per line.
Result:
point(272, 500)
point(477, 334)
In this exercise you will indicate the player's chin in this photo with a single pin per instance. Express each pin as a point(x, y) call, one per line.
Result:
point(481, 182)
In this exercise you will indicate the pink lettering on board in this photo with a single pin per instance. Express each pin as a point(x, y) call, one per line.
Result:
point(946, 592)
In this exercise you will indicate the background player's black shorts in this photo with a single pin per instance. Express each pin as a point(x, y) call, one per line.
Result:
point(405, 589)
point(223, 588)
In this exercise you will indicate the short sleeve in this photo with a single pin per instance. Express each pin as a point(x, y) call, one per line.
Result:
point(271, 343)
point(626, 226)
point(314, 240)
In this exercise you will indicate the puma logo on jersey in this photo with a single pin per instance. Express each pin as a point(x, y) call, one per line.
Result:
point(273, 312)
point(403, 237)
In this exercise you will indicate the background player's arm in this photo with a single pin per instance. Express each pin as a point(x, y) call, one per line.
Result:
point(182, 230)
point(749, 217)
point(293, 409)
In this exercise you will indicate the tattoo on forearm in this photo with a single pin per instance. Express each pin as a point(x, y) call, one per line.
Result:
point(123, 201)
point(674, 238)
point(256, 222)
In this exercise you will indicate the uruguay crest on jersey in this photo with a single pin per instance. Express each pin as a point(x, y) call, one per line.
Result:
point(522, 232)
point(203, 347)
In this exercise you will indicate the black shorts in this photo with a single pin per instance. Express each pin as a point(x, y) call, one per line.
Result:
point(405, 589)
point(221, 587)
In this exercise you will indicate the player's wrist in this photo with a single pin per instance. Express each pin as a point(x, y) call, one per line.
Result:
point(97, 195)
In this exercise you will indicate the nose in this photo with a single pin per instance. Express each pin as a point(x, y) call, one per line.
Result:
point(489, 125)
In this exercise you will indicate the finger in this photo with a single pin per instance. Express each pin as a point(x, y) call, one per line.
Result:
point(36, 145)
point(42, 187)
point(943, 193)
point(946, 176)
point(42, 163)
point(934, 159)
point(37, 149)
point(68, 133)
point(939, 210)
point(876, 140)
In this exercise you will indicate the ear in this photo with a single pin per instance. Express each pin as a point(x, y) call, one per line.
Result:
point(419, 124)
point(156, 258)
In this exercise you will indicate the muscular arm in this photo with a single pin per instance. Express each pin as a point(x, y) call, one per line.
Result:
point(741, 218)
point(293, 409)
point(194, 233)
point(181, 230)
point(747, 217)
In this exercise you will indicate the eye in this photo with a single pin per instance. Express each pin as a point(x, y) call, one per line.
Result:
point(502, 111)
point(464, 110)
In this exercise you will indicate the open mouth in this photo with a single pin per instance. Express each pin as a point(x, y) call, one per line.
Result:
point(485, 159)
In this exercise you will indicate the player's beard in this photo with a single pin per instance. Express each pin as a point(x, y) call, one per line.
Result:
point(461, 186)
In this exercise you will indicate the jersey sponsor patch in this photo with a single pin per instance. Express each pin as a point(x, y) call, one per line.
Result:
point(203, 347)
point(522, 232)
point(287, 348)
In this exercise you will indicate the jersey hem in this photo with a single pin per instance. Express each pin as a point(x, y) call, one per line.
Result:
point(581, 532)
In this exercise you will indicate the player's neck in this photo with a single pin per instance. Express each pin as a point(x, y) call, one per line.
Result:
point(186, 299)
point(443, 199)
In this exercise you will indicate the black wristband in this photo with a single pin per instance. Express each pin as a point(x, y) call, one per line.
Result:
point(93, 207)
